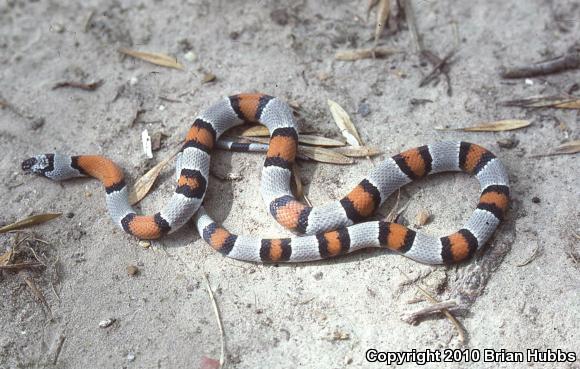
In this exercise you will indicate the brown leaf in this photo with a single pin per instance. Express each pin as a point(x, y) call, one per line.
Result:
point(358, 152)
point(30, 221)
point(153, 58)
point(143, 185)
point(357, 54)
point(558, 102)
point(500, 125)
point(324, 155)
point(342, 120)
point(382, 16)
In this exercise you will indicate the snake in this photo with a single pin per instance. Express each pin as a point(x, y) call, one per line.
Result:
point(321, 232)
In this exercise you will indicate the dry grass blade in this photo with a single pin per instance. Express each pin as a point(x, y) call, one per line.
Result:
point(558, 102)
point(256, 131)
point(358, 152)
point(500, 125)
point(324, 155)
point(143, 185)
point(382, 16)
point(30, 221)
point(357, 54)
point(218, 319)
point(153, 58)
point(6, 257)
point(342, 120)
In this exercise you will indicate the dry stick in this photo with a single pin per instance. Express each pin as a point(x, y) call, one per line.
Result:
point(562, 63)
point(59, 345)
point(452, 319)
point(219, 321)
point(412, 318)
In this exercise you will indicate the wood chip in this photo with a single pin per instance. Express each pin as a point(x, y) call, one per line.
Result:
point(143, 185)
point(30, 221)
point(153, 58)
point(557, 102)
point(357, 54)
point(324, 155)
point(208, 77)
point(501, 125)
point(382, 16)
point(342, 120)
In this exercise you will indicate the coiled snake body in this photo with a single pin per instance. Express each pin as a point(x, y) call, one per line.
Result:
point(331, 229)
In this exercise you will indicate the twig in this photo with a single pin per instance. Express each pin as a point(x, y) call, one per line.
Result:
point(59, 345)
point(562, 63)
point(438, 307)
point(20, 266)
point(219, 321)
point(439, 68)
point(452, 319)
point(83, 86)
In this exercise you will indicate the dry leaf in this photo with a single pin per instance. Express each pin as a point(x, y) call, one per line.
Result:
point(143, 185)
point(382, 16)
point(357, 54)
point(6, 257)
point(324, 155)
point(153, 58)
point(262, 131)
point(500, 125)
point(319, 141)
point(30, 221)
point(358, 152)
point(342, 120)
point(558, 102)
point(256, 131)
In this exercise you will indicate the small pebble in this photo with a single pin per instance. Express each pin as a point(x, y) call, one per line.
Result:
point(280, 16)
point(107, 322)
point(130, 357)
point(161, 107)
point(422, 218)
point(190, 56)
point(145, 244)
point(364, 110)
point(529, 82)
point(536, 200)
point(132, 270)
point(318, 276)
point(507, 143)
point(133, 81)
point(37, 123)
point(70, 215)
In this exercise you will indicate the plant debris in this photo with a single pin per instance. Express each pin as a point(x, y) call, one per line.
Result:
point(357, 54)
point(30, 221)
point(208, 77)
point(559, 64)
point(153, 58)
point(382, 17)
point(342, 120)
point(141, 188)
point(83, 86)
point(498, 126)
point(558, 102)
point(324, 155)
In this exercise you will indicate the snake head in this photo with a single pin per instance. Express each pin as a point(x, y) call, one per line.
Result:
point(40, 164)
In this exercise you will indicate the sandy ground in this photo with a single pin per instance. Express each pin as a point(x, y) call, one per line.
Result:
point(316, 315)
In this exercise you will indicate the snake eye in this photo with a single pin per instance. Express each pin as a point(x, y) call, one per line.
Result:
point(28, 164)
